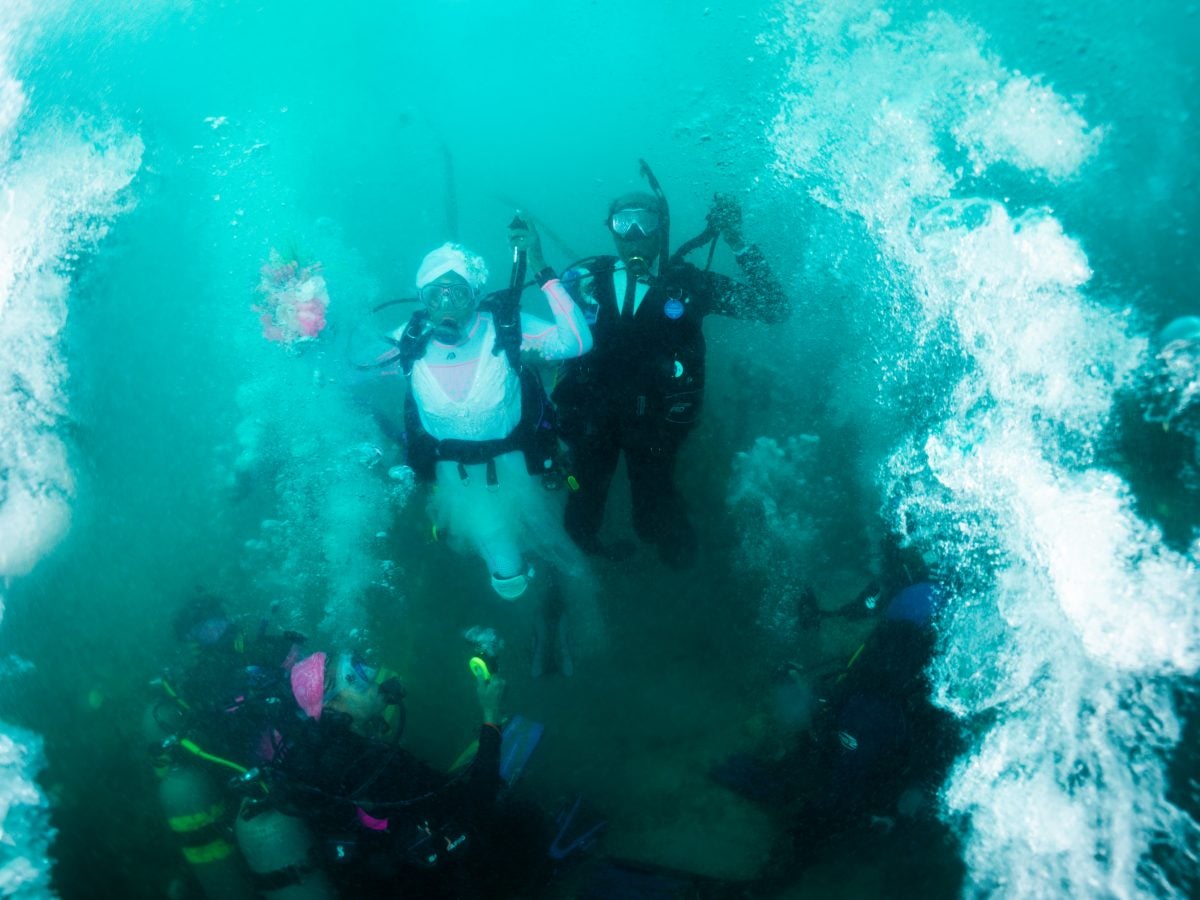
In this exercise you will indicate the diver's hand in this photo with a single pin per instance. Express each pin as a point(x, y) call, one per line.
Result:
point(726, 217)
point(526, 238)
point(490, 693)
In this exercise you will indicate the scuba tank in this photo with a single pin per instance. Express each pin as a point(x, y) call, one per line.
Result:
point(193, 805)
point(196, 813)
point(279, 851)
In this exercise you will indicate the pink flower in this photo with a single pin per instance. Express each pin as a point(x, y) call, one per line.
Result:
point(310, 318)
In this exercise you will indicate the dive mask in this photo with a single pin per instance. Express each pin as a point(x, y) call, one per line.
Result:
point(438, 295)
point(354, 674)
point(623, 221)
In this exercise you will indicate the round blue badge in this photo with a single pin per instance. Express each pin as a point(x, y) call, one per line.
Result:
point(673, 308)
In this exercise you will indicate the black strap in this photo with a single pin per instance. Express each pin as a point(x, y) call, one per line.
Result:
point(415, 340)
point(474, 453)
point(709, 235)
point(506, 319)
point(266, 882)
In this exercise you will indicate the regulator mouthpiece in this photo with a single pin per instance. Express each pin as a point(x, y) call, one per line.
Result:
point(638, 266)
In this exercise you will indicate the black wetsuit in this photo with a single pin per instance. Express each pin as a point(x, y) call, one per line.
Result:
point(387, 822)
point(881, 734)
point(876, 751)
point(641, 387)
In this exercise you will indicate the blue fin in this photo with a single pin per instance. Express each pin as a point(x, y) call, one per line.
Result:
point(574, 836)
point(518, 740)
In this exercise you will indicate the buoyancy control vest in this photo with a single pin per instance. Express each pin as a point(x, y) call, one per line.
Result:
point(646, 365)
point(535, 435)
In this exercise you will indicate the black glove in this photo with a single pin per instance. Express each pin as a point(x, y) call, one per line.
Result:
point(726, 217)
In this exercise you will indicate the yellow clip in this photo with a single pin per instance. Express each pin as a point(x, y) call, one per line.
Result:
point(433, 532)
point(572, 483)
point(479, 669)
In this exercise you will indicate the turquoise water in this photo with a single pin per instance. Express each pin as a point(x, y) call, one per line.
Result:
point(982, 213)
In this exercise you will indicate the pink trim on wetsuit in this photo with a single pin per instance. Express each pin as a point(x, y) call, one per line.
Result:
point(554, 340)
point(560, 301)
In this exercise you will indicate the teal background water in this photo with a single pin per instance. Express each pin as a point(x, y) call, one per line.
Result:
point(329, 129)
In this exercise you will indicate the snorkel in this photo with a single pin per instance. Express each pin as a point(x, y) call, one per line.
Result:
point(664, 253)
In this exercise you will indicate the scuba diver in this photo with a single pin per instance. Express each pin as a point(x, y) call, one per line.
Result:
point(283, 777)
point(386, 821)
point(477, 421)
point(640, 389)
point(868, 754)
point(205, 730)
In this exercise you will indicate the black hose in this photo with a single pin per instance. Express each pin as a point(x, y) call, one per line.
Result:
point(709, 234)
point(388, 355)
